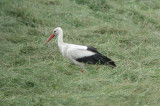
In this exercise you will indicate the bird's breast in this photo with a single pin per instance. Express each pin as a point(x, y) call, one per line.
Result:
point(63, 50)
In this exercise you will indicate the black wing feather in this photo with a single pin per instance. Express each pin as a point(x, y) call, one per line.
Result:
point(97, 58)
point(92, 49)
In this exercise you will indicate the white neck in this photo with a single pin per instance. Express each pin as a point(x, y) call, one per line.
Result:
point(60, 42)
point(60, 38)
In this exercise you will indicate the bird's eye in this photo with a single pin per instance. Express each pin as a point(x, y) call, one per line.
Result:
point(54, 31)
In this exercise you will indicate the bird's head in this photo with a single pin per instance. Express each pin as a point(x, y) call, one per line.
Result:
point(56, 31)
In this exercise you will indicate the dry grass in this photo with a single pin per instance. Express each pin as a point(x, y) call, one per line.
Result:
point(32, 73)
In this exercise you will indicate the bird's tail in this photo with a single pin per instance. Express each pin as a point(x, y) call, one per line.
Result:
point(107, 61)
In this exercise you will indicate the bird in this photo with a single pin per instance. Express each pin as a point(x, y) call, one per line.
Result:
point(78, 54)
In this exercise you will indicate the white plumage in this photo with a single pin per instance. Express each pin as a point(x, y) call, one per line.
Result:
point(79, 54)
point(74, 52)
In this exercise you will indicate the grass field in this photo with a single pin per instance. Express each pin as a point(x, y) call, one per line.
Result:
point(127, 31)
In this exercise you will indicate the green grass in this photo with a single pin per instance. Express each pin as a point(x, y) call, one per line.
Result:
point(32, 73)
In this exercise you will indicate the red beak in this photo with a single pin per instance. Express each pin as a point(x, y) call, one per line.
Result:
point(50, 38)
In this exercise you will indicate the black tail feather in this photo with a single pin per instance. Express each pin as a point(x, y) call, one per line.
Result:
point(105, 60)
point(97, 59)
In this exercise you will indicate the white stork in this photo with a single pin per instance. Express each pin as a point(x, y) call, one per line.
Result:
point(78, 54)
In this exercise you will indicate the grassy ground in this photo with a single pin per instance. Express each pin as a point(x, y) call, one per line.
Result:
point(32, 73)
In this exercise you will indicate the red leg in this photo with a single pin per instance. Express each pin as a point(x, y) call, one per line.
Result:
point(82, 71)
